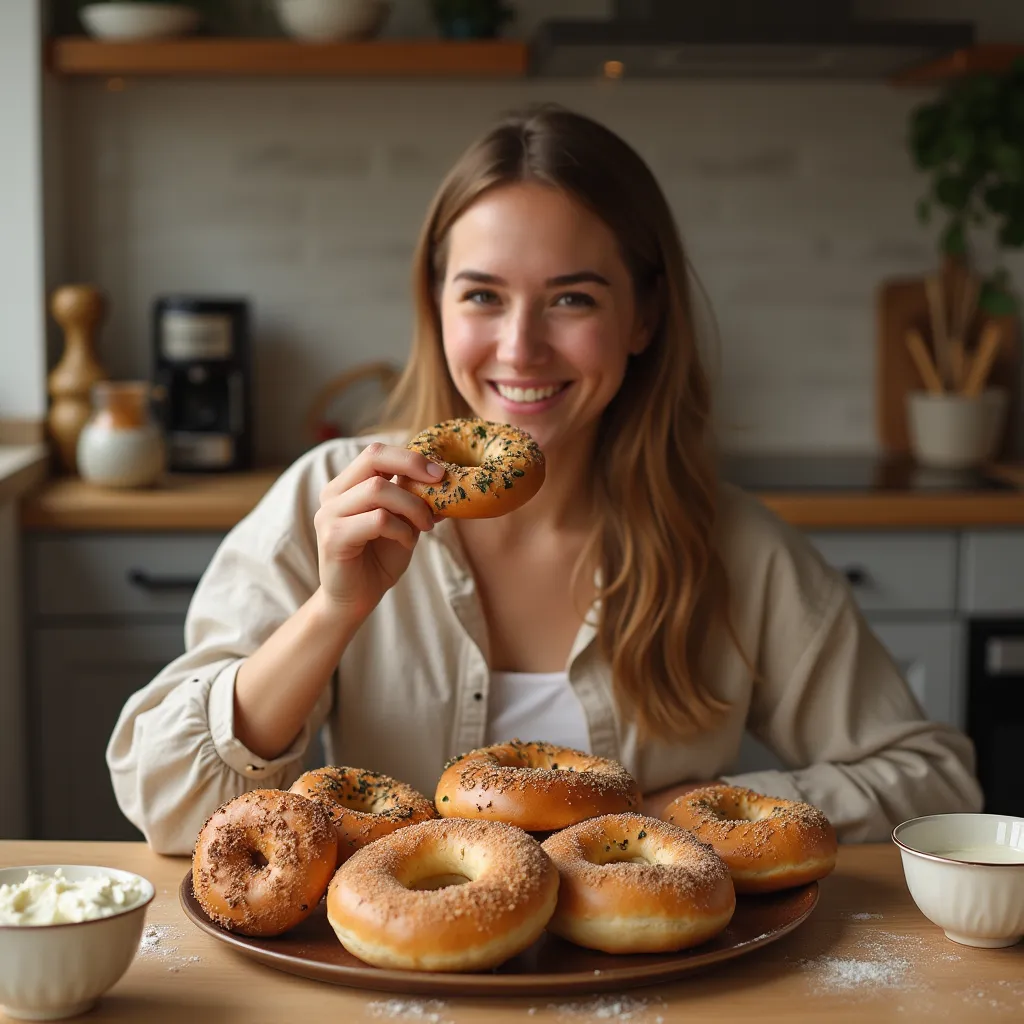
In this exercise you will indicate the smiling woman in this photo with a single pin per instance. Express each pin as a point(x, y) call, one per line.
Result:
point(634, 608)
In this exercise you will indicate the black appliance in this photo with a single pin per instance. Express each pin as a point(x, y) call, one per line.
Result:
point(791, 38)
point(995, 709)
point(203, 375)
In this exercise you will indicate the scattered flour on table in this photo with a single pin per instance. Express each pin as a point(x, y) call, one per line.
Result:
point(610, 1007)
point(900, 965)
point(837, 974)
point(159, 942)
point(863, 917)
point(430, 1011)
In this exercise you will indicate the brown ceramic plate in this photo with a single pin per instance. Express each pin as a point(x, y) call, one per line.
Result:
point(549, 967)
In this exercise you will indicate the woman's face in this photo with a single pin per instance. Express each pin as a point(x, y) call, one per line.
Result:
point(537, 313)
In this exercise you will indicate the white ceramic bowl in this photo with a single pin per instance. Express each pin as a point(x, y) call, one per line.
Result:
point(52, 971)
point(124, 21)
point(977, 901)
point(326, 20)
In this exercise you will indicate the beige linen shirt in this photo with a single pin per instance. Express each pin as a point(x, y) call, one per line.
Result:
point(411, 688)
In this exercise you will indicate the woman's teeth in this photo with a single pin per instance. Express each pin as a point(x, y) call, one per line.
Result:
point(528, 394)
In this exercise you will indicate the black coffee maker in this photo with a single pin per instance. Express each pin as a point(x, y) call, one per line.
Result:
point(203, 378)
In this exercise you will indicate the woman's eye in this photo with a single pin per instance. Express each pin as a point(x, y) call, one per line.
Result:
point(481, 296)
point(575, 299)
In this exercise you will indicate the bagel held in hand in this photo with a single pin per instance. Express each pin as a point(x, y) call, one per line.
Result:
point(362, 805)
point(443, 895)
point(634, 884)
point(537, 786)
point(263, 861)
point(768, 843)
point(489, 468)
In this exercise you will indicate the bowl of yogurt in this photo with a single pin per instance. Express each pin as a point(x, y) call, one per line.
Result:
point(966, 874)
point(67, 934)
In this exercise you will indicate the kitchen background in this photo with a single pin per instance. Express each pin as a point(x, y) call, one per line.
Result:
point(796, 199)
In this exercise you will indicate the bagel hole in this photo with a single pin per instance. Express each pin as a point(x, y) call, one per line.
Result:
point(615, 856)
point(438, 881)
point(257, 860)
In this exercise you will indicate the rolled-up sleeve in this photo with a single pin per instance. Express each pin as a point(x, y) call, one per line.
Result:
point(831, 703)
point(173, 755)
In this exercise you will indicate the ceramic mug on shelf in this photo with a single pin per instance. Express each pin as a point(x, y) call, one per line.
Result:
point(955, 431)
point(121, 445)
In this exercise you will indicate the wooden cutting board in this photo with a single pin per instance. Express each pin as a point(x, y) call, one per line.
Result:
point(903, 304)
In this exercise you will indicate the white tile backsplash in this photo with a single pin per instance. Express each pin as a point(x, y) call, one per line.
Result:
point(794, 199)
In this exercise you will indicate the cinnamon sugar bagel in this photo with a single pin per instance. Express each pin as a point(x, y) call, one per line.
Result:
point(630, 883)
point(767, 842)
point(537, 786)
point(489, 468)
point(262, 862)
point(363, 805)
point(443, 895)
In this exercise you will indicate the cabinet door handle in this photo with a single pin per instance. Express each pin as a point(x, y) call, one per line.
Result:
point(855, 575)
point(1004, 656)
point(141, 578)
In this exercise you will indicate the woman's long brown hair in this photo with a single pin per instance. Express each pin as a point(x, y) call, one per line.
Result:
point(662, 582)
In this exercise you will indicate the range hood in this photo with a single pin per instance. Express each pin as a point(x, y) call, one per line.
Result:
point(740, 38)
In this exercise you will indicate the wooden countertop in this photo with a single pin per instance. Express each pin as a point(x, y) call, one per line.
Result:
point(218, 501)
point(22, 467)
point(865, 953)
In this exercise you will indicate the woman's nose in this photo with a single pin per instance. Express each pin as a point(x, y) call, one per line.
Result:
point(521, 341)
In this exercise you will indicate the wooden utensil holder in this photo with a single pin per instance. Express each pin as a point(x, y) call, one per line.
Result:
point(902, 307)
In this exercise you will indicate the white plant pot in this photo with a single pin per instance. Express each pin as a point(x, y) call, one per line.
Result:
point(955, 431)
point(128, 21)
point(329, 20)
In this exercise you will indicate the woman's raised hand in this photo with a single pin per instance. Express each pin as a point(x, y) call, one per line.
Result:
point(367, 526)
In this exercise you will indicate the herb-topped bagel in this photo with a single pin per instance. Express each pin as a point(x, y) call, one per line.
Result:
point(490, 468)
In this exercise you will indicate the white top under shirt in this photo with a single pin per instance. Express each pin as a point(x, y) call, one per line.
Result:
point(536, 706)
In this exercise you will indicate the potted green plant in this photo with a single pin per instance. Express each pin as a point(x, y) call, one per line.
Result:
point(471, 19)
point(969, 141)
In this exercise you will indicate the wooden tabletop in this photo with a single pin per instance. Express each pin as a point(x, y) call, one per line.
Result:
point(218, 501)
point(865, 954)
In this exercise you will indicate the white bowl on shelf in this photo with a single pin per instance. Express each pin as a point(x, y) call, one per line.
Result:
point(130, 21)
point(966, 874)
point(331, 20)
point(54, 971)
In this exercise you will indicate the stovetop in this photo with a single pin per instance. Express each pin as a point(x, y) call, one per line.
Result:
point(850, 473)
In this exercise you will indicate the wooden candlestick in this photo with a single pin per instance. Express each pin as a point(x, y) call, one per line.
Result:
point(79, 309)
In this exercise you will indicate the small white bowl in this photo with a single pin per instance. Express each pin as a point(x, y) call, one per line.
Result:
point(977, 898)
point(125, 21)
point(326, 20)
point(52, 971)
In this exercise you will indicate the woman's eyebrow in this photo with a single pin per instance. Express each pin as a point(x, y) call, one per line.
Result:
point(579, 277)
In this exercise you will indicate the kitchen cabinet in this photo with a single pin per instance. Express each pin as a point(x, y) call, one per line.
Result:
point(81, 677)
point(930, 656)
point(105, 612)
point(992, 573)
point(905, 583)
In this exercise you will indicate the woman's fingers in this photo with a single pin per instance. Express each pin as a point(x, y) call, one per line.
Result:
point(383, 460)
point(377, 492)
point(347, 537)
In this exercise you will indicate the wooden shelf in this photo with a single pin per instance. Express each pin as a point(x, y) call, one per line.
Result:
point(984, 58)
point(398, 58)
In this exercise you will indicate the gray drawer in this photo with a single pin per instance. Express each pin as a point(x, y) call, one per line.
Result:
point(115, 574)
point(992, 572)
point(895, 571)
